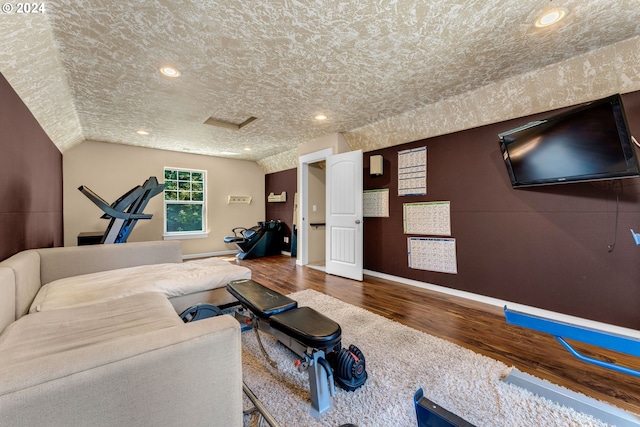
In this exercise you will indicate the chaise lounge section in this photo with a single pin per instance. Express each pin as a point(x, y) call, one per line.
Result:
point(123, 360)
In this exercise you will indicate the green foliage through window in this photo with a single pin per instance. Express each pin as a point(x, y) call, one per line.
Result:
point(181, 218)
point(184, 195)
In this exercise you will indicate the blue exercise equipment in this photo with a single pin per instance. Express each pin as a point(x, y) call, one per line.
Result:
point(562, 331)
point(431, 415)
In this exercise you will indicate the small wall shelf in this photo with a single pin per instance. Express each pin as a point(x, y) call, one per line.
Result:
point(238, 200)
point(277, 198)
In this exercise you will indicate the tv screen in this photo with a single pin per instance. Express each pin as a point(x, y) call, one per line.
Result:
point(587, 143)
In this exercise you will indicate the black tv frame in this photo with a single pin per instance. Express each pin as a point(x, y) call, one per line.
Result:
point(627, 149)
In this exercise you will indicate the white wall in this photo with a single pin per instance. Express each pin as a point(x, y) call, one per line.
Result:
point(317, 197)
point(110, 170)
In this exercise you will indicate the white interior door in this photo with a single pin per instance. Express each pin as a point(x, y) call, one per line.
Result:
point(344, 215)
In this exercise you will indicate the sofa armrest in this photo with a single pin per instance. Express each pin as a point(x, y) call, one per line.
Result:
point(189, 374)
point(7, 297)
point(58, 263)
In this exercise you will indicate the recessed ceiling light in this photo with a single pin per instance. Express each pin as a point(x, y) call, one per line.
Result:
point(170, 71)
point(228, 153)
point(142, 132)
point(550, 17)
point(321, 117)
point(247, 149)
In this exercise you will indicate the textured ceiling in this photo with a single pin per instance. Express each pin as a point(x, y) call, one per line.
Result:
point(88, 70)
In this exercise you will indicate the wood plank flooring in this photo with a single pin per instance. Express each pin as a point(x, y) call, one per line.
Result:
point(473, 325)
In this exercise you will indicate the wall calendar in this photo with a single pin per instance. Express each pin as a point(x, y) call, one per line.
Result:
point(375, 203)
point(433, 254)
point(412, 172)
point(432, 218)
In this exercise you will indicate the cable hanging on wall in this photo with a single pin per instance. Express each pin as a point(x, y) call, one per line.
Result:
point(615, 227)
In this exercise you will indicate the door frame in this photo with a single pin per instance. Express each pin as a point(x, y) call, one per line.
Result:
point(303, 201)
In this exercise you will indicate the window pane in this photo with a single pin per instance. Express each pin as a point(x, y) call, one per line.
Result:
point(184, 217)
point(187, 186)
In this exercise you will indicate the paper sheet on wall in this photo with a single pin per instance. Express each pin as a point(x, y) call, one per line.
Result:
point(433, 254)
point(375, 203)
point(412, 172)
point(432, 218)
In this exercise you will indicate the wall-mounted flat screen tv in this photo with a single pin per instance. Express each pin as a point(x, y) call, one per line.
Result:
point(587, 143)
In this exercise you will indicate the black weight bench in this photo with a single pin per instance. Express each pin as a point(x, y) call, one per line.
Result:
point(312, 336)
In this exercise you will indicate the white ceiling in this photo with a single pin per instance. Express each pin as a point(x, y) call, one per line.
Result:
point(88, 70)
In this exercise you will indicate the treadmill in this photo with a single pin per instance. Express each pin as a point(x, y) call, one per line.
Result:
point(123, 214)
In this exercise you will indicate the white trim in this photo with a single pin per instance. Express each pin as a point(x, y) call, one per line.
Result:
point(185, 236)
point(561, 317)
point(219, 253)
point(199, 234)
point(208, 254)
point(303, 201)
point(316, 156)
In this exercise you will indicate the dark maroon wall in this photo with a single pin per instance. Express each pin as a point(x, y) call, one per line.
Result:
point(277, 183)
point(546, 247)
point(30, 179)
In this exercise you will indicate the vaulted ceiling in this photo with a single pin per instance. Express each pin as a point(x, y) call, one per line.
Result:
point(89, 70)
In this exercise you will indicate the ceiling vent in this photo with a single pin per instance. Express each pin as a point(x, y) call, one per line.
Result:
point(229, 125)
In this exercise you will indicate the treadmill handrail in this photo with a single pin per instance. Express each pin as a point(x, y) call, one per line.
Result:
point(106, 208)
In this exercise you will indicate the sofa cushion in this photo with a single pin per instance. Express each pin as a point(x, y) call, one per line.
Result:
point(54, 332)
point(170, 279)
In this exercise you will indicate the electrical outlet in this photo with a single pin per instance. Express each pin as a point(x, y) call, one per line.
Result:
point(286, 239)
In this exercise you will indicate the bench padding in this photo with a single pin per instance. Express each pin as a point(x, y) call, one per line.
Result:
point(262, 301)
point(303, 324)
point(308, 326)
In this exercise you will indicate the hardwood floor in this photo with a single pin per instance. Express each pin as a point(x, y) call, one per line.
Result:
point(473, 325)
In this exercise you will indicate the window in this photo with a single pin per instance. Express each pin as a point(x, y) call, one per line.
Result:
point(184, 203)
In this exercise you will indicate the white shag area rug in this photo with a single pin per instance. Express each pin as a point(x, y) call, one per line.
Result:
point(399, 361)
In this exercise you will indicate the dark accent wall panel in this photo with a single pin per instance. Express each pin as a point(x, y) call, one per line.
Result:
point(30, 179)
point(277, 183)
point(545, 247)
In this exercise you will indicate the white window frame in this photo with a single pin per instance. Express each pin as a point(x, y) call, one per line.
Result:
point(198, 234)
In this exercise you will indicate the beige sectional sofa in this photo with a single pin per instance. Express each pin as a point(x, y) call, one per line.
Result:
point(126, 360)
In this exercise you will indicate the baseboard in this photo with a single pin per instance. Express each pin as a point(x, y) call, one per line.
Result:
point(606, 327)
point(209, 254)
point(219, 253)
point(438, 288)
point(560, 317)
